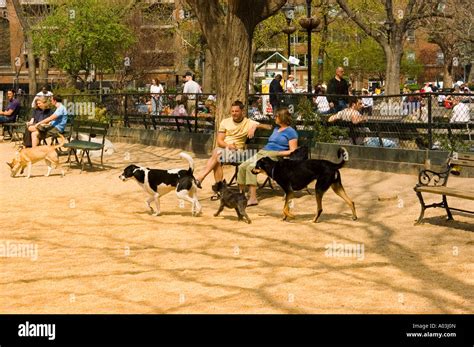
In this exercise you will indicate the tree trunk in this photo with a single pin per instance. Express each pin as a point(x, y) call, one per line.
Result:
point(232, 66)
point(447, 76)
point(31, 66)
point(393, 56)
point(209, 74)
point(43, 69)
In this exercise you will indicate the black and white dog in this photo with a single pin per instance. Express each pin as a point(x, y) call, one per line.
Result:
point(158, 182)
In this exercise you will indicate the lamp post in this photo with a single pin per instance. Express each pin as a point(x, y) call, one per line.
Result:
point(309, 24)
point(289, 11)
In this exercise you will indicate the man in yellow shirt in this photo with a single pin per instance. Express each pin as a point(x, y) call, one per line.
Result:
point(231, 137)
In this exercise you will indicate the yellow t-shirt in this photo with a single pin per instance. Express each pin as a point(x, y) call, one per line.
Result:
point(236, 133)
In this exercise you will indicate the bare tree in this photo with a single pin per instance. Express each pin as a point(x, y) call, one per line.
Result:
point(389, 24)
point(228, 27)
point(453, 32)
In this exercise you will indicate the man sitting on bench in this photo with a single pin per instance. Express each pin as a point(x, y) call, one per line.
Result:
point(231, 137)
point(12, 110)
point(53, 125)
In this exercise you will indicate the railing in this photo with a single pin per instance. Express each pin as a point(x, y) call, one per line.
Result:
point(412, 121)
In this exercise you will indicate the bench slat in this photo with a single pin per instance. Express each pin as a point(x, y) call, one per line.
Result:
point(462, 163)
point(459, 193)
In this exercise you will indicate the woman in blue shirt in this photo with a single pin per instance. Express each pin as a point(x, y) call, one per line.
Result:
point(281, 143)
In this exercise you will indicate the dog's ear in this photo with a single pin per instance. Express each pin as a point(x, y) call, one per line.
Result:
point(224, 181)
point(10, 164)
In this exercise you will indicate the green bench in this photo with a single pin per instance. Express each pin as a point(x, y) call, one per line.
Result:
point(91, 129)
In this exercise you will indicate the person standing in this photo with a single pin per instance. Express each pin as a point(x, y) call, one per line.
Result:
point(156, 89)
point(191, 88)
point(44, 93)
point(275, 90)
point(289, 86)
point(337, 88)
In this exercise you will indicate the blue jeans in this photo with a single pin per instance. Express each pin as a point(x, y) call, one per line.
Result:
point(4, 119)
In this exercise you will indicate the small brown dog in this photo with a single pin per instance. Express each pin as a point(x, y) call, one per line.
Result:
point(26, 157)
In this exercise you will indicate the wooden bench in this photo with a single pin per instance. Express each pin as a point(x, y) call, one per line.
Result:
point(432, 182)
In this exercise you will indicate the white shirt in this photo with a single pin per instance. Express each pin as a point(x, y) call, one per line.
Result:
point(289, 87)
point(368, 102)
point(460, 113)
point(322, 102)
point(39, 95)
point(191, 87)
point(156, 89)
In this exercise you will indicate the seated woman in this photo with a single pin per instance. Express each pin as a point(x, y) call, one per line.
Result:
point(281, 143)
point(41, 111)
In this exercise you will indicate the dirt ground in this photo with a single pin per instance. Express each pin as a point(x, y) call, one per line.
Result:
point(100, 251)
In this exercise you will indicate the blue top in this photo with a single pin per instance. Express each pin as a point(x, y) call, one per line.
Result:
point(60, 122)
point(14, 105)
point(278, 141)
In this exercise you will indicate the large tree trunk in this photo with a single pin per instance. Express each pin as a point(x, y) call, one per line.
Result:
point(31, 66)
point(228, 27)
point(393, 56)
point(43, 69)
point(232, 67)
point(447, 75)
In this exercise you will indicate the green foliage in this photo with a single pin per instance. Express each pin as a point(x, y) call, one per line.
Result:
point(84, 35)
point(312, 121)
point(268, 34)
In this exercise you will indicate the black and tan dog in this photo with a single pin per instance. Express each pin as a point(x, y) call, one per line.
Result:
point(231, 199)
point(294, 175)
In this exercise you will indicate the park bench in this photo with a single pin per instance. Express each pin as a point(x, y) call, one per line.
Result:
point(433, 182)
point(405, 131)
point(92, 129)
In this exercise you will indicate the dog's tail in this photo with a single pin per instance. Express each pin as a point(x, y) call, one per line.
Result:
point(343, 155)
point(189, 159)
point(62, 140)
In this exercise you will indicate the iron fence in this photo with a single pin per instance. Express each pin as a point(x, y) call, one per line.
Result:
point(411, 121)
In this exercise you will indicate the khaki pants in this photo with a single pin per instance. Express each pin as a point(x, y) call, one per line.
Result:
point(245, 175)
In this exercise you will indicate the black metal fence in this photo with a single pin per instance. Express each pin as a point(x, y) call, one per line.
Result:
point(411, 121)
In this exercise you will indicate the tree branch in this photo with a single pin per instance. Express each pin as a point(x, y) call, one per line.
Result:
point(358, 20)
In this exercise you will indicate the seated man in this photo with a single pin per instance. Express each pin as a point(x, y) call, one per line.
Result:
point(461, 113)
point(352, 114)
point(52, 125)
point(231, 137)
point(12, 110)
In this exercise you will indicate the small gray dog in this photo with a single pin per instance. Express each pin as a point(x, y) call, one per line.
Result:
point(231, 199)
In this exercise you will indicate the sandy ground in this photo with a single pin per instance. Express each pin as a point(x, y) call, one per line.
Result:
point(100, 251)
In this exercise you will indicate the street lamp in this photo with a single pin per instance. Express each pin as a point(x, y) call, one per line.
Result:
point(309, 24)
point(289, 11)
